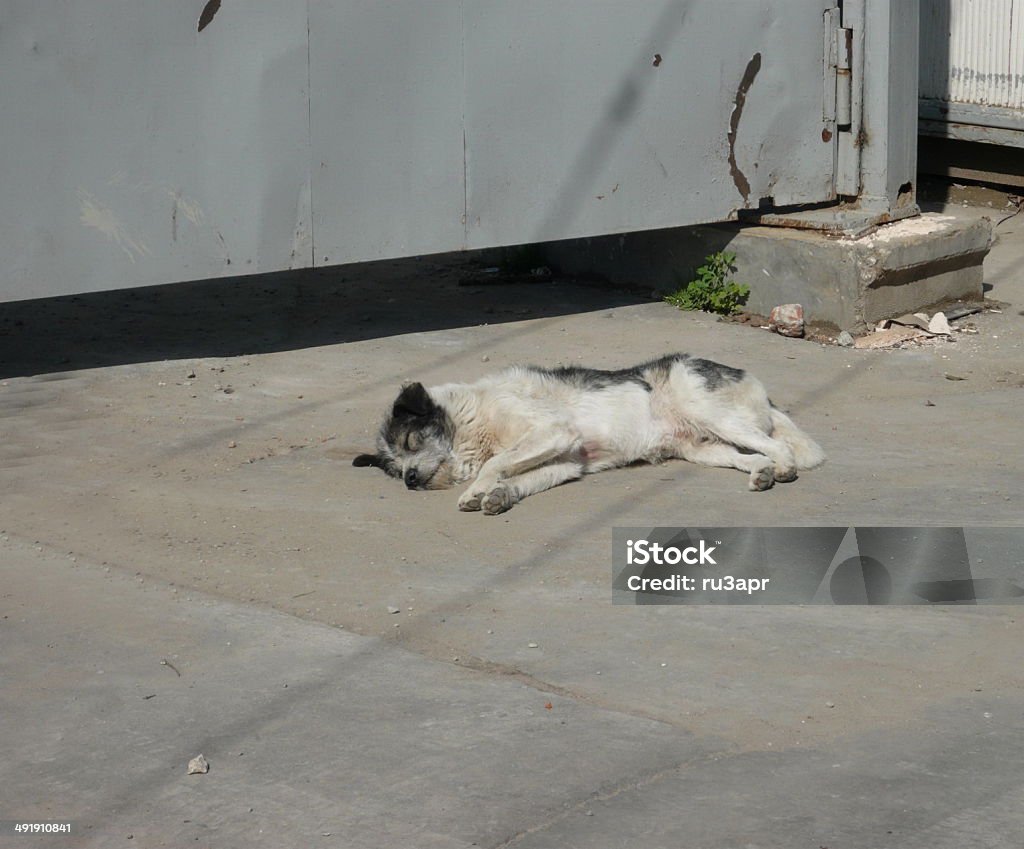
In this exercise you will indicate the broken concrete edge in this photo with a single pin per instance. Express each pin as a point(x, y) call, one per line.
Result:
point(843, 283)
point(852, 283)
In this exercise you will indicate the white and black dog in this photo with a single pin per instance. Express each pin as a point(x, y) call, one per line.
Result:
point(528, 429)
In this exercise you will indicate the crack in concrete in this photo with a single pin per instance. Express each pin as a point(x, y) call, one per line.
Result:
point(635, 782)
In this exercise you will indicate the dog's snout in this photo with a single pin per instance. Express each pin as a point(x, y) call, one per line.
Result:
point(411, 478)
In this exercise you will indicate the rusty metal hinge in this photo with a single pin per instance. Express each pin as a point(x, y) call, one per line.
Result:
point(837, 111)
point(843, 40)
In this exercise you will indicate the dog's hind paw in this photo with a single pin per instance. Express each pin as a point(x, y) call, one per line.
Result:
point(785, 475)
point(762, 479)
point(498, 500)
point(470, 501)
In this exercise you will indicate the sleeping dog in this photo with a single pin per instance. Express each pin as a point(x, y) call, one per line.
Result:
point(527, 429)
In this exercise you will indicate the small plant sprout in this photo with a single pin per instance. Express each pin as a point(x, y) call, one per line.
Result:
point(713, 290)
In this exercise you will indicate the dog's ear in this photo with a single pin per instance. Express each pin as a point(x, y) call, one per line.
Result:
point(412, 402)
point(368, 460)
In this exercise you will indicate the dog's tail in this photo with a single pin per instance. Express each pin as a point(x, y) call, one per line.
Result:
point(806, 451)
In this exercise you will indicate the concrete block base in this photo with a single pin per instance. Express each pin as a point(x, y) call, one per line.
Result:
point(850, 283)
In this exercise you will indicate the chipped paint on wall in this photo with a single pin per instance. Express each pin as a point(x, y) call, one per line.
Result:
point(207, 15)
point(749, 74)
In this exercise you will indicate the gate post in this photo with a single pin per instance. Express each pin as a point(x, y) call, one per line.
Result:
point(888, 132)
point(876, 151)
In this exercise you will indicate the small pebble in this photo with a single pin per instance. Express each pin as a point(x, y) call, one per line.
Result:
point(198, 766)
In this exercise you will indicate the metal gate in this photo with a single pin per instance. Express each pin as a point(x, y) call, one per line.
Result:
point(151, 142)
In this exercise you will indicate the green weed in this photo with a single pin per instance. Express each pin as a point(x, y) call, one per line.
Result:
point(712, 291)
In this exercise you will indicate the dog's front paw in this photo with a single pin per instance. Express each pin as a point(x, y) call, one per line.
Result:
point(762, 479)
point(470, 501)
point(498, 500)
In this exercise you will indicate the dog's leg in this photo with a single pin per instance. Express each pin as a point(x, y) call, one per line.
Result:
point(762, 472)
point(533, 450)
point(514, 489)
point(744, 435)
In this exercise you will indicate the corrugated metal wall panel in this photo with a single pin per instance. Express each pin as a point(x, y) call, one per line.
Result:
point(972, 51)
point(1016, 99)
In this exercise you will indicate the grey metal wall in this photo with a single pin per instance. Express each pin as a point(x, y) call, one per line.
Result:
point(146, 141)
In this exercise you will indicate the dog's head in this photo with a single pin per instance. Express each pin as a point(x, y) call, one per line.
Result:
point(415, 442)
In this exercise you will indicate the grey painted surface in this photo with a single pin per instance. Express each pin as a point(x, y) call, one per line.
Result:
point(386, 116)
point(157, 142)
point(139, 149)
point(878, 155)
point(889, 154)
point(573, 130)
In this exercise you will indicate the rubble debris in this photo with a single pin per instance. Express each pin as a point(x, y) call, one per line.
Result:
point(198, 765)
point(889, 337)
point(787, 320)
point(845, 339)
point(961, 312)
point(935, 325)
point(893, 332)
point(939, 325)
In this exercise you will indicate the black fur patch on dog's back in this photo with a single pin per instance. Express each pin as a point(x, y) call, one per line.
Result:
point(713, 374)
point(593, 378)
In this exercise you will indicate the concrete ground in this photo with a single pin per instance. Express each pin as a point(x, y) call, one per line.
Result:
point(190, 565)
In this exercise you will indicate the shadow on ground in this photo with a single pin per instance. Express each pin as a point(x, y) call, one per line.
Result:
point(282, 311)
